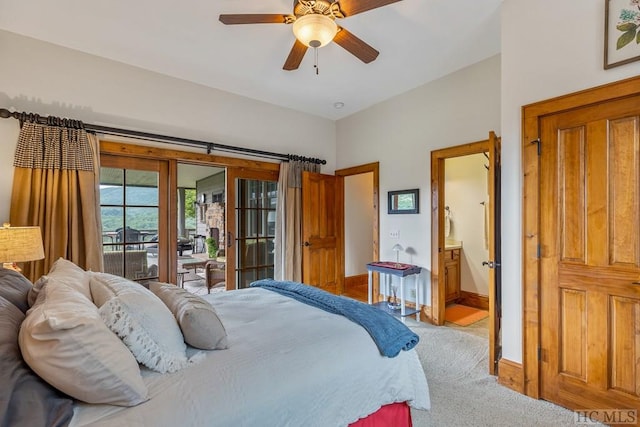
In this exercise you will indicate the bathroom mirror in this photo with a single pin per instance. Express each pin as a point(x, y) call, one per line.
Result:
point(404, 202)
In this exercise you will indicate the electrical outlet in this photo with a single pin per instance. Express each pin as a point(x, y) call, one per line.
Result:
point(412, 293)
point(395, 234)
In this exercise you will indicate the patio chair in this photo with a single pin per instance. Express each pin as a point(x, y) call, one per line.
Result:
point(214, 274)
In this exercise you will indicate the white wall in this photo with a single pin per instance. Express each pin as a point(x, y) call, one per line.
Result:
point(401, 132)
point(465, 187)
point(549, 48)
point(358, 223)
point(47, 79)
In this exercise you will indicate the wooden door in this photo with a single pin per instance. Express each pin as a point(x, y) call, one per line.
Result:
point(452, 275)
point(321, 237)
point(590, 256)
point(495, 291)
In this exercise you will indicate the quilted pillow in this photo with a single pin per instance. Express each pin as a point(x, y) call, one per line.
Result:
point(25, 399)
point(64, 340)
point(14, 287)
point(198, 321)
point(67, 272)
point(142, 321)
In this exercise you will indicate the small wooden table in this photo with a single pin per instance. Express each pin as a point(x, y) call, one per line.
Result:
point(388, 269)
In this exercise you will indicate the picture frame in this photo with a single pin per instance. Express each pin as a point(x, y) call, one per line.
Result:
point(621, 32)
point(403, 201)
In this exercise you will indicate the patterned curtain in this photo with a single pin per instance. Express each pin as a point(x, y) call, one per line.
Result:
point(56, 186)
point(288, 244)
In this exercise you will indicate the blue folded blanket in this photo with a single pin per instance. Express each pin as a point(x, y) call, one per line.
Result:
point(389, 334)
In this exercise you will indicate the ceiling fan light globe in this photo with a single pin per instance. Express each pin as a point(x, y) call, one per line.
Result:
point(315, 30)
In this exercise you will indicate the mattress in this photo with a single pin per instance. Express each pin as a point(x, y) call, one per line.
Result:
point(288, 364)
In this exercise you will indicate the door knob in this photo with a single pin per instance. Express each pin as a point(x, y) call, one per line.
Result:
point(307, 244)
point(491, 264)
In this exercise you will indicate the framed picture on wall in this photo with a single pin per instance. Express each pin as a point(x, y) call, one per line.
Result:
point(621, 32)
point(403, 202)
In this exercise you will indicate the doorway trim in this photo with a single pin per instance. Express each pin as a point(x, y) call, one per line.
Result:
point(531, 115)
point(357, 170)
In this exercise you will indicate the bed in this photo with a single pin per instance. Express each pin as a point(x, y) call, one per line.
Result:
point(285, 364)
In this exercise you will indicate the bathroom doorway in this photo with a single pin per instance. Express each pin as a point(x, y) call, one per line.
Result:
point(439, 252)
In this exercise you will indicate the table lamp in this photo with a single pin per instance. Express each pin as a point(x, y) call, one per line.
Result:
point(19, 244)
point(397, 248)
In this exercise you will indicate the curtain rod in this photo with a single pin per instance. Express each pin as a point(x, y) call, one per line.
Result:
point(209, 146)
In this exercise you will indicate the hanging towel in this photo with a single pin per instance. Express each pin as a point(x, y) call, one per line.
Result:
point(447, 223)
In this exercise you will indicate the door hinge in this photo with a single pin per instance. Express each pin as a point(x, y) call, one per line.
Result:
point(538, 251)
point(537, 141)
point(539, 353)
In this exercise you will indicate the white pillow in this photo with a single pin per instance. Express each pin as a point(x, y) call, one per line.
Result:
point(142, 321)
point(67, 272)
point(64, 340)
point(199, 322)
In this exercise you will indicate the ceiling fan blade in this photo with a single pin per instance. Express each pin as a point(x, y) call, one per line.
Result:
point(353, 7)
point(355, 46)
point(295, 56)
point(263, 18)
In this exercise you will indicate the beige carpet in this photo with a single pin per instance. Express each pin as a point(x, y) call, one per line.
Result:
point(464, 394)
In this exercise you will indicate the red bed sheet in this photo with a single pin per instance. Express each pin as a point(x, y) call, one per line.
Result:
point(392, 415)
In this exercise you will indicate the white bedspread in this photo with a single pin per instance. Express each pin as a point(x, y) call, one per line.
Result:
point(288, 364)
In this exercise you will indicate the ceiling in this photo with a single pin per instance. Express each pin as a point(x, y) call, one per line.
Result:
point(419, 41)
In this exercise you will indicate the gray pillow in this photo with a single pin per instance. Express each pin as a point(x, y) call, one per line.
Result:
point(199, 322)
point(14, 287)
point(25, 399)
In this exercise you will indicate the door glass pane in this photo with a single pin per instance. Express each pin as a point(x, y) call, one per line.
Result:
point(142, 188)
point(255, 234)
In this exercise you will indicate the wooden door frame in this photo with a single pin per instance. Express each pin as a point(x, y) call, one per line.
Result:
point(531, 115)
point(173, 157)
point(438, 158)
point(373, 168)
point(165, 180)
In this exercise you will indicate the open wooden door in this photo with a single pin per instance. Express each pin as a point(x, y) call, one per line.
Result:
point(493, 228)
point(321, 224)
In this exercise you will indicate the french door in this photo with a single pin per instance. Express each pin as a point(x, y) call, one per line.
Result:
point(134, 206)
point(251, 218)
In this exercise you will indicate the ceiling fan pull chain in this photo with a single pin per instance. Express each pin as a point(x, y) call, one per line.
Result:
point(315, 61)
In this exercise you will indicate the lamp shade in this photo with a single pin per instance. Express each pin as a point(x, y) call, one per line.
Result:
point(397, 247)
point(20, 244)
point(315, 30)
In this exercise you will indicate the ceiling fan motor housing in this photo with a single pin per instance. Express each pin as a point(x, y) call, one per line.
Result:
point(321, 7)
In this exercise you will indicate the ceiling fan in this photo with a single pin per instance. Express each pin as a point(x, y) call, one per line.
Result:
point(314, 26)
